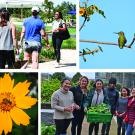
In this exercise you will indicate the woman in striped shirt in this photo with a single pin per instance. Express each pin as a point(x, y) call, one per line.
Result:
point(131, 113)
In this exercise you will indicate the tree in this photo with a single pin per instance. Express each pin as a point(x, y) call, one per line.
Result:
point(64, 8)
point(91, 83)
point(118, 86)
point(47, 12)
point(58, 75)
point(76, 77)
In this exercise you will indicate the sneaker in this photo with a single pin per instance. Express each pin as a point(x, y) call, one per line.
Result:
point(57, 65)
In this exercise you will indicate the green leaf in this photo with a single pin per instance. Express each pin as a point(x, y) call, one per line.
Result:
point(100, 48)
point(84, 52)
point(84, 59)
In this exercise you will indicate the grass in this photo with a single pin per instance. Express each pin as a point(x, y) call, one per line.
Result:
point(48, 28)
point(71, 30)
point(45, 54)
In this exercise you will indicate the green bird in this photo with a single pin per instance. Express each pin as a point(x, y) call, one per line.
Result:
point(122, 39)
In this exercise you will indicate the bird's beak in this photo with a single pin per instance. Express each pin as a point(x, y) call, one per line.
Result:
point(115, 32)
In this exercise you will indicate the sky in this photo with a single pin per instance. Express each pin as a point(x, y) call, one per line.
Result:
point(119, 17)
point(58, 2)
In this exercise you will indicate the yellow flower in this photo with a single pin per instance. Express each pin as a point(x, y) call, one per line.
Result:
point(82, 11)
point(12, 100)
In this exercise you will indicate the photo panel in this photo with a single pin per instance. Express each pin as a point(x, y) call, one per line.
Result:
point(38, 34)
point(18, 103)
point(106, 34)
point(98, 101)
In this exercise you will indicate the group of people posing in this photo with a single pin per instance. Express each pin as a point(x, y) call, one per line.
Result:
point(71, 103)
point(33, 30)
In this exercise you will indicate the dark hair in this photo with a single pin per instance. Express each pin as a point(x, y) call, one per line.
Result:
point(112, 81)
point(132, 89)
point(128, 91)
point(98, 80)
point(5, 14)
point(60, 14)
point(63, 80)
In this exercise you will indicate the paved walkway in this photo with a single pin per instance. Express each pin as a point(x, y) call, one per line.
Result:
point(68, 61)
point(85, 127)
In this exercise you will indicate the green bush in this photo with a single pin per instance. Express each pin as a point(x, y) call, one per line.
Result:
point(47, 89)
point(69, 44)
point(46, 53)
point(47, 130)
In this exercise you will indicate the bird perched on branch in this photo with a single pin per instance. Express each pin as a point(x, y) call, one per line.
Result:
point(122, 39)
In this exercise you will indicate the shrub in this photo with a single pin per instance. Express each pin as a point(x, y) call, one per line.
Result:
point(47, 130)
point(47, 89)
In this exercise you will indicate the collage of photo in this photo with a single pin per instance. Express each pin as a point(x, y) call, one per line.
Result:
point(67, 67)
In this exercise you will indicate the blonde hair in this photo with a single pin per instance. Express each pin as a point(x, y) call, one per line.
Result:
point(80, 79)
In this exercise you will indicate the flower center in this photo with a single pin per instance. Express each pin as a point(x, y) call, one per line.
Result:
point(7, 101)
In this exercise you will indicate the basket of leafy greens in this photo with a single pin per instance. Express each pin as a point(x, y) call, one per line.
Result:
point(99, 113)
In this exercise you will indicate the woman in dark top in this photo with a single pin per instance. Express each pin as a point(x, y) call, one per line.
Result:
point(131, 113)
point(121, 109)
point(79, 93)
point(95, 97)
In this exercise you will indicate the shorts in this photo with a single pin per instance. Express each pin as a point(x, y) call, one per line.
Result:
point(7, 57)
point(31, 46)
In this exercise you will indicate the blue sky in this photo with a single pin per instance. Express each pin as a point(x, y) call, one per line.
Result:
point(119, 17)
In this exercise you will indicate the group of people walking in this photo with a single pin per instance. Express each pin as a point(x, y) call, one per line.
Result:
point(71, 103)
point(33, 30)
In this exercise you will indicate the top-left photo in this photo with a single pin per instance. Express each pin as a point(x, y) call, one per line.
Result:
point(37, 34)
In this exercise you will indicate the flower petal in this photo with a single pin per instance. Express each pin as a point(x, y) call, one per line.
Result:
point(25, 102)
point(19, 116)
point(6, 122)
point(21, 89)
point(6, 83)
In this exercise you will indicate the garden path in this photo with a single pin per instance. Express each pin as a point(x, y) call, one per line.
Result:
point(68, 61)
point(85, 127)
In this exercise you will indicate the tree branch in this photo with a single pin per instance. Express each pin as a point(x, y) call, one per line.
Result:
point(108, 43)
point(83, 23)
point(89, 52)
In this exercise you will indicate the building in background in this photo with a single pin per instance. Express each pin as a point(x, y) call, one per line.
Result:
point(124, 79)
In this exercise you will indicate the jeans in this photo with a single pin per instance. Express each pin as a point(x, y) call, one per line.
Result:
point(121, 124)
point(61, 126)
point(105, 128)
point(7, 57)
point(57, 42)
point(94, 126)
point(77, 122)
point(129, 129)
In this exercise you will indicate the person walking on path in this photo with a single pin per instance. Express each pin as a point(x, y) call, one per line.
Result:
point(62, 101)
point(56, 37)
point(113, 96)
point(80, 94)
point(7, 40)
point(95, 97)
point(33, 29)
point(121, 110)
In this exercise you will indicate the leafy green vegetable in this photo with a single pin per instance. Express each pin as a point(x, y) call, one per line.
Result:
point(101, 108)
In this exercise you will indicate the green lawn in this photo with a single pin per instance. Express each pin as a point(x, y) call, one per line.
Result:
point(71, 30)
